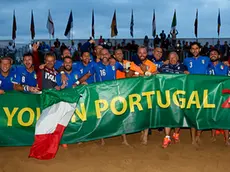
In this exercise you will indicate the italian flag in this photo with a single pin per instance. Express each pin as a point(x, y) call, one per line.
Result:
point(57, 110)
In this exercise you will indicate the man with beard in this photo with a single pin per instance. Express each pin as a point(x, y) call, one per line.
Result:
point(26, 78)
point(6, 74)
point(196, 65)
point(105, 71)
point(146, 68)
point(218, 68)
point(73, 76)
point(86, 66)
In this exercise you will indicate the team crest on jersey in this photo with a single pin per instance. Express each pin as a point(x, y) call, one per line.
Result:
point(35, 76)
point(203, 61)
point(0, 82)
point(178, 67)
point(76, 77)
point(113, 67)
point(222, 67)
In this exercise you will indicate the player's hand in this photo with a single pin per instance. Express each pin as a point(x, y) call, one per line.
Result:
point(64, 78)
point(84, 83)
point(33, 89)
point(226, 63)
point(63, 85)
point(166, 62)
point(2, 92)
point(42, 66)
point(57, 88)
point(186, 72)
point(143, 67)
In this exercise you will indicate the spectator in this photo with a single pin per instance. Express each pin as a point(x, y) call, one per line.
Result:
point(146, 41)
point(174, 33)
point(156, 41)
point(163, 36)
point(72, 48)
point(57, 43)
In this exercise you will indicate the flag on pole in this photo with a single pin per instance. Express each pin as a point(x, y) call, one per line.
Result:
point(32, 27)
point(69, 25)
point(50, 25)
point(218, 23)
point(93, 31)
point(131, 24)
point(57, 109)
point(196, 24)
point(174, 21)
point(154, 25)
point(14, 29)
point(114, 30)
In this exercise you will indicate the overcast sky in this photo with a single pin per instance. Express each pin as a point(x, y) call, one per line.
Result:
point(143, 9)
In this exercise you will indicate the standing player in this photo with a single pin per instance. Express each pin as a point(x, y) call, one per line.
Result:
point(72, 75)
point(147, 68)
point(86, 66)
point(26, 78)
point(218, 68)
point(6, 74)
point(196, 65)
point(105, 71)
point(174, 67)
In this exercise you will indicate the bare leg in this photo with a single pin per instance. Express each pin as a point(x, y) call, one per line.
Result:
point(198, 136)
point(193, 134)
point(167, 131)
point(226, 135)
point(213, 139)
point(177, 130)
point(145, 137)
point(102, 142)
point(124, 142)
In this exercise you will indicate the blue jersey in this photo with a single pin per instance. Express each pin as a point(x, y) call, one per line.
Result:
point(197, 65)
point(219, 69)
point(72, 78)
point(6, 83)
point(158, 63)
point(90, 68)
point(106, 73)
point(58, 64)
point(23, 77)
point(169, 68)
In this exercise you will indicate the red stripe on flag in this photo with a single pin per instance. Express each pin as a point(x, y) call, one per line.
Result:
point(45, 146)
point(226, 91)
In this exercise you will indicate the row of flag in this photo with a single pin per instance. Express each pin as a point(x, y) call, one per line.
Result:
point(114, 30)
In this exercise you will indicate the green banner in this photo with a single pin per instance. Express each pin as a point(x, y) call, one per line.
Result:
point(124, 106)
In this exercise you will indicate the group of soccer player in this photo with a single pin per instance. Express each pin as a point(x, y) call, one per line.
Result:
point(101, 66)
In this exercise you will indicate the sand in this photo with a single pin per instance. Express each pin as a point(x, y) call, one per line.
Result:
point(115, 157)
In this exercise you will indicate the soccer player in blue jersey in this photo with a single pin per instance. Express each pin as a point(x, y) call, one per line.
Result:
point(26, 78)
point(74, 76)
point(86, 66)
point(196, 64)
point(218, 68)
point(6, 74)
point(105, 71)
